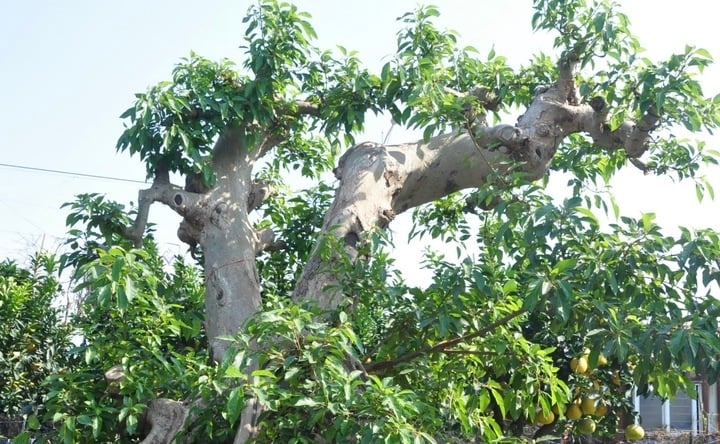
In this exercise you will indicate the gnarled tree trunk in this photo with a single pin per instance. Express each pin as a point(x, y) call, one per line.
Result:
point(377, 182)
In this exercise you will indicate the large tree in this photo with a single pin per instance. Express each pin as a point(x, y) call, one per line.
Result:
point(319, 339)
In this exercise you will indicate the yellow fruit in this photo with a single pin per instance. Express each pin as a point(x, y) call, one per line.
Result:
point(587, 426)
point(634, 432)
point(579, 365)
point(542, 418)
point(616, 379)
point(602, 360)
point(573, 412)
point(587, 406)
point(601, 409)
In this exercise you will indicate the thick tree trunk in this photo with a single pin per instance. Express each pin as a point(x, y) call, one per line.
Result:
point(232, 291)
point(377, 182)
point(232, 287)
point(219, 222)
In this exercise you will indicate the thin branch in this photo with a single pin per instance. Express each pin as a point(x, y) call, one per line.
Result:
point(444, 345)
point(631, 136)
point(307, 108)
point(485, 97)
point(640, 165)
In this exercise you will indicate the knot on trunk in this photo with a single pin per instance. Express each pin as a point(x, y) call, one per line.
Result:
point(163, 420)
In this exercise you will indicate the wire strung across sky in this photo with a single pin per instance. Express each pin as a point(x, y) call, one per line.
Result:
point(69, 173)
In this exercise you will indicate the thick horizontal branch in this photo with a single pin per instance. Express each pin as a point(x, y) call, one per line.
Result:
point(633, 137)
point(377, 182)
point(182, 202)
point(307, 108)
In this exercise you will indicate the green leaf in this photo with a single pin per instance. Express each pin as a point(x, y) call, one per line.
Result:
point(589, 214)
point(305, 402)
point(33, 423)
point(130, 290)
point(84, 420)
point(263, 373)
point(234, 372)
point(647, 221)
point(96, 426)
point(704, 53)
point(563, 265)
point(699, 191)
point(22, 438)
point(122, 300)
point(563, 301)
point(117, 269)
point(234, 405)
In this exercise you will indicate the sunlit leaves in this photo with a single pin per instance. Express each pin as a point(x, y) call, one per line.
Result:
point(586, 32)
point(94, 223)
point(624, 289)
point(422, 82)
point(278, 37)
point(306, 389)
point(670, 88)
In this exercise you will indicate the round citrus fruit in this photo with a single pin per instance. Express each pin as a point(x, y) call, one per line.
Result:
point(573, 412)
point(542, 418)
point(587, 426)
point(587, 406)
point(634, 432)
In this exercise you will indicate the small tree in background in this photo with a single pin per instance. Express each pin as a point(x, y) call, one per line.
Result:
point(548, 319)
point(33, 337)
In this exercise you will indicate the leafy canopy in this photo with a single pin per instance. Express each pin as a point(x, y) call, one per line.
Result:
point(488, 344)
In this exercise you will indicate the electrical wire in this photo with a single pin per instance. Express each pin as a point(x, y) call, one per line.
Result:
point(69, 173)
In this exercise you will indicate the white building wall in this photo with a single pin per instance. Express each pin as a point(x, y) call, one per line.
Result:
point(712, 409)
point(682, 413)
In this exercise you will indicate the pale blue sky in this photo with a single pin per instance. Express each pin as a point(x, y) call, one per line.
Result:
point(68, 69)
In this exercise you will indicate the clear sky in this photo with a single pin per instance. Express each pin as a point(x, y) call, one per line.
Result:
point(69, 69)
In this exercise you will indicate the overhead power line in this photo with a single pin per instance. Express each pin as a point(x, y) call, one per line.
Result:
point(70, 173)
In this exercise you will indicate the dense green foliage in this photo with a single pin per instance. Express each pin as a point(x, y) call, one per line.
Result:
point(33, 335)
point(537, 282)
